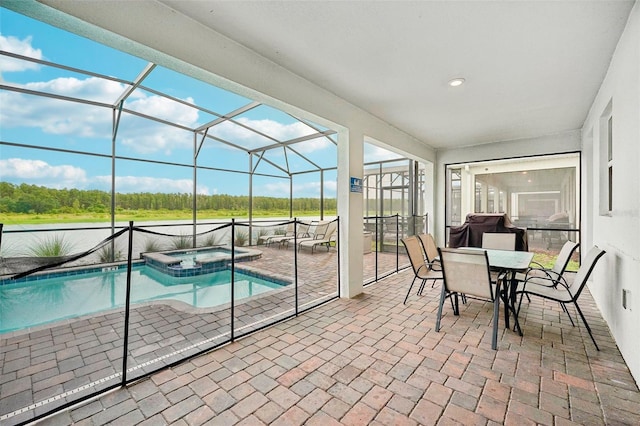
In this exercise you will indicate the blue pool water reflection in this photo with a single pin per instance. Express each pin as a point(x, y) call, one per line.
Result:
point(26, 304)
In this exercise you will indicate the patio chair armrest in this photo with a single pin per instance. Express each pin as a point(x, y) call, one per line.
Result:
point(557, 278)
point(549, 274)
point(434, 266)
point(563, 282)
point(551, 282)
point(538, 265)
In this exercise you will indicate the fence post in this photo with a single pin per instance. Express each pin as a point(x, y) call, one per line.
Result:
point(397, 242)
point(127, 307)
point(295, 261)
point(378, 246)
point(338, 252)
point(233, 273)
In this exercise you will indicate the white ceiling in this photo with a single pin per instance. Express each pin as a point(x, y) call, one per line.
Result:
point(532, 68)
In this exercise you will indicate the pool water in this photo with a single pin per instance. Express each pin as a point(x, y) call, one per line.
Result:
point(27, 304)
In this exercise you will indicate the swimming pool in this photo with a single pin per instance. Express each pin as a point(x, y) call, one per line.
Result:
point(31, 303)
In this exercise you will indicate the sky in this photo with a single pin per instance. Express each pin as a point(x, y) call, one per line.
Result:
point(68, 127)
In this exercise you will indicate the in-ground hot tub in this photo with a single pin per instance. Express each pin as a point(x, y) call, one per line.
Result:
point(198, 261)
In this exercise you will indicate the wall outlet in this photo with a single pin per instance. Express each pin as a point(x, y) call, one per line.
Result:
point(626, 299)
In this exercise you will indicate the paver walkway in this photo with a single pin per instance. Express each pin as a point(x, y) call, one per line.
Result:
point(373, 360)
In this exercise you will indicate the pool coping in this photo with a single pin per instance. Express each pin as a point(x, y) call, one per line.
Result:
point(172, 266)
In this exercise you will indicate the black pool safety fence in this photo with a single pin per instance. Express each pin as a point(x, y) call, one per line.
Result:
point(384, 252)
point(79, 318)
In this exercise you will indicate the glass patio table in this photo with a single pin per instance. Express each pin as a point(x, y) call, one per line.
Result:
point(509, 262)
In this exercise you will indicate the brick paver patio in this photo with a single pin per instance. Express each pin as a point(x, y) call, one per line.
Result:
point(49, 365)
point(373, 360)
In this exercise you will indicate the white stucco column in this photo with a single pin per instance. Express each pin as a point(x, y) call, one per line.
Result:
point(350, 164)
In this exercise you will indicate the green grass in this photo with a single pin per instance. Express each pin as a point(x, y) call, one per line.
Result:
point(548, 259)
point(144, 216)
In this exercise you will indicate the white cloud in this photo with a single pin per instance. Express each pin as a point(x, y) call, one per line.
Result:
point(38, 172)
point(279, 131)
point(280, 189)
point(312, 145)
point(21, 47)
point(62, 118)
point(93, 88)
point(165, 109)
point(141, 136)
point(79, 120)
point(128, 184)
point(238, 135)
point(149, 138)
point(146, 137)
point(307, 189)
point(331, 187)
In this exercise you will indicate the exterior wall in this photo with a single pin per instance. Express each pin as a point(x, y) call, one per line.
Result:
point(618, 232)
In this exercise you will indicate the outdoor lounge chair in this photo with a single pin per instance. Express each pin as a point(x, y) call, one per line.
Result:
point(302, 231)
point(421, 269)
point(315, 231)
point(563, 293)
point(270, 239)
point(321, 239)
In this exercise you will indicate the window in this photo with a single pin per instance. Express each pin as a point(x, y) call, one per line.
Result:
point(610, 160)
point(606, 161)
point(454, 199)
point(539, 193)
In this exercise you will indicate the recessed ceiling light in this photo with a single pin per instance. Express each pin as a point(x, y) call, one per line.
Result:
point(456, 82)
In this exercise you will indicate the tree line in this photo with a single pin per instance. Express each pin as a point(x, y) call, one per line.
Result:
point(36, 199)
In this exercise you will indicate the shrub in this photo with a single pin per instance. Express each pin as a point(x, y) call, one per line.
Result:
point(108, 254)
point(152, 245)
point(51, 246)
point(241, 237)
point(262, 232)
point(182, 241)
point(212, 239)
